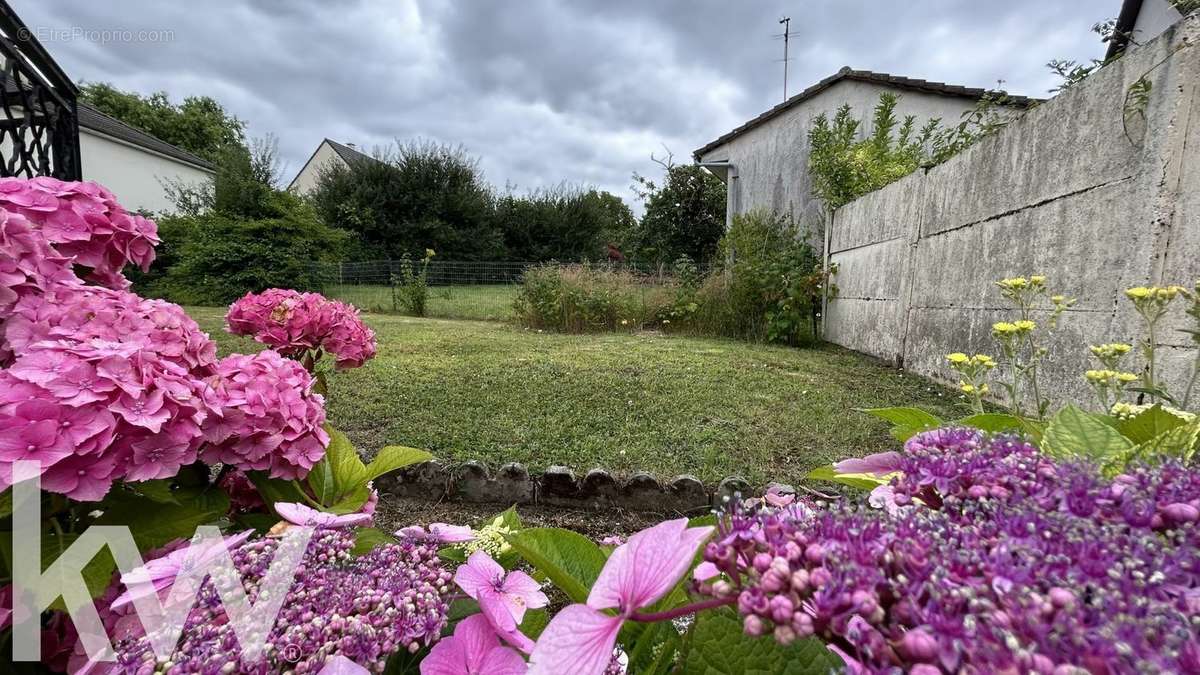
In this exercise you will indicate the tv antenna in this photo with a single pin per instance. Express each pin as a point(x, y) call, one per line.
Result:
point(786, 35)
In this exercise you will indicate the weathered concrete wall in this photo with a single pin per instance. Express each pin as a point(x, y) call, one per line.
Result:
point(772, 161)
point(1077, 189)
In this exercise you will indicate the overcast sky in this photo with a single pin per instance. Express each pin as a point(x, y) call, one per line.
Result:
point(542, 91)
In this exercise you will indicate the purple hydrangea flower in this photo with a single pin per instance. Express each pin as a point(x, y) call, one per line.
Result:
point(1015, 563)
point(365, 609)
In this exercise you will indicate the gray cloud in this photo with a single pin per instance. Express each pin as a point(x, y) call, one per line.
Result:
point(545, 91)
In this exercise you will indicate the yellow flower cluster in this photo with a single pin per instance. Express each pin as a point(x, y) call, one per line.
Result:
point(959, 359)
point(1160, 294)
point(968, 388)
point(1125, 411)
point(1110, 377)
point(1111, 350)
point(973, 370)
point(1109, 355)
point(1010, 328)
point(1037, 282)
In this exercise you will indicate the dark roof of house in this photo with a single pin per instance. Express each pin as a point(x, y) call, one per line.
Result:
point(344, 152)
point(91, 118)
point(347, 153)
point(846, 73)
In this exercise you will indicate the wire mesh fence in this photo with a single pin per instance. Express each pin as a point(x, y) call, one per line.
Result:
point(474, 272)
point(457, 289)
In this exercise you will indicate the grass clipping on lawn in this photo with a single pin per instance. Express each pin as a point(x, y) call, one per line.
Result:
point(643, 402)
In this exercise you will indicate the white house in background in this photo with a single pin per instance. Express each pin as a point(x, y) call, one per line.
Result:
point(134, 165)
point(764, 162)
point(327, 152)
point(1141, 21)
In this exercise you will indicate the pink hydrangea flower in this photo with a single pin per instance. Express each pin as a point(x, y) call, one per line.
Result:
point(474, 649)
point(581, 638)
point(340, 665)
point(83, 221)
point(299, 514)
point(502, 597)
point(303, 325)
point(99, 384)
point(878, 464)
point(439, 532)
point(157, 575)
point(266, 416)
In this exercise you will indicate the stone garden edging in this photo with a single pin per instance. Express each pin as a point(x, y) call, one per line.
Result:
point(558, 486)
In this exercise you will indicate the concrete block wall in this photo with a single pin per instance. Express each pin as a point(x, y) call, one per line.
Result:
point(1077, 189)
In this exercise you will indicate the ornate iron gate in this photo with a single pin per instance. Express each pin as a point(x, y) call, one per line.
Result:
point(39, 124)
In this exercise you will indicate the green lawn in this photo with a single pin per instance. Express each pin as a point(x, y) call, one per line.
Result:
point(668, 405)
point(479, 302)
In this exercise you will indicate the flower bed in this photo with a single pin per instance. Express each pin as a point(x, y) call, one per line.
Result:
point(976, 550)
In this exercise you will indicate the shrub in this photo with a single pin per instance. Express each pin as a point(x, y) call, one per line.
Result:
point(410, 288)
point(844, 166)
point(423, 194)
point(223, 257)
point(768, 285)
point(588, 298)
point(768, 288)
point(562, 223)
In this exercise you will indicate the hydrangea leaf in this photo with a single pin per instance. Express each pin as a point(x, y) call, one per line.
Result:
point(351, 502)
point(156, 490)
point(1178, 443)
point(535, 622)
point(452, 554)
point(508, 518)
point(860, 481)
point(261, 522)
point(395, 457)
point(97, 574)
point(461, 608)
point(1149, 423)
point(340, 471)
point(719, 646)
point(154, 524)
point(648, 644)
point(992, 422)
point(568, 559)
point(6, 504)
point(906, 422)
point(1074, 433)
point(367, 538)
point(275, 490)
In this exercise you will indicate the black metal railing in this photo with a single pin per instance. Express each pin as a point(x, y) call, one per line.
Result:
point(39, 122)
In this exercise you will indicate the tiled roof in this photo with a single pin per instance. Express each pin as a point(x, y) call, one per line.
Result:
point(91, 118)
point(847, 73)
point(347, 153)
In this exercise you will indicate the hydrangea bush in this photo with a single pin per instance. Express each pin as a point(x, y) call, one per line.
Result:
point(133, 420)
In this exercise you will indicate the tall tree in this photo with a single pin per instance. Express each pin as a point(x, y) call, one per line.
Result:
point(685, 214)
point(199, 124)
